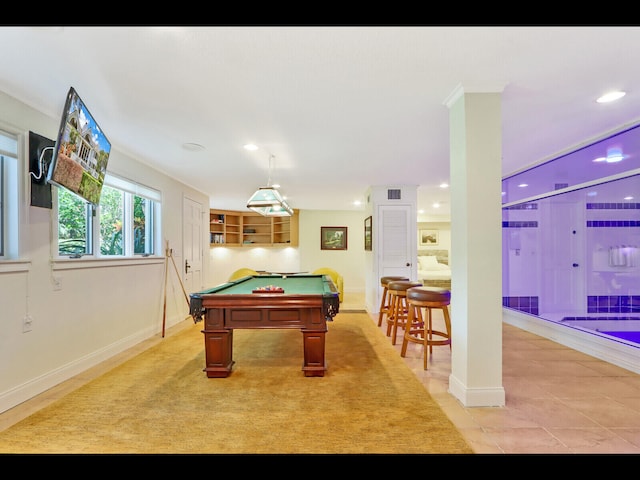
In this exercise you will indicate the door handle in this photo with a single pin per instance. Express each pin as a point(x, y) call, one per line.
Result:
point(186, 266)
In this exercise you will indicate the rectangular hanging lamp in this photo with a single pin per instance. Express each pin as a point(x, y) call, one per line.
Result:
point(268, 202)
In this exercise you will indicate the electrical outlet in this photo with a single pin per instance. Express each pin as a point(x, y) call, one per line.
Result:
point(57, 283)
point(27, 324)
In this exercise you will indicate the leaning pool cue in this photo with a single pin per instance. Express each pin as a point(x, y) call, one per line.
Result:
point(166, 275)
point(186, 297)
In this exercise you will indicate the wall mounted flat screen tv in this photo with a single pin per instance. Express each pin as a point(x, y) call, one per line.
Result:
point(81, 151)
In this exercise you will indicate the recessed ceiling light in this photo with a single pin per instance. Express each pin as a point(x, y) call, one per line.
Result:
point(444, 185)
point(250, 146)
point(614, 155)
point(611, 96)
point(193, 147)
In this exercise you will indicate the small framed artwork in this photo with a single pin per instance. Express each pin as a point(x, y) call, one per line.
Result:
point(367, 233)
point(333, 238)
point(428, 238)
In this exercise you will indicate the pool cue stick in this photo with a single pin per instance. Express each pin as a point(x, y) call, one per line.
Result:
point(186, 297)
point(166, 276)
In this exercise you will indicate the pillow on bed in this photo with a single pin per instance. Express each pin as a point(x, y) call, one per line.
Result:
point(430, 262)
point(439, 266)
point(427, 262)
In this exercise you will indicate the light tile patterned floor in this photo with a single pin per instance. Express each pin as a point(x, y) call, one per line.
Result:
point(558, 400)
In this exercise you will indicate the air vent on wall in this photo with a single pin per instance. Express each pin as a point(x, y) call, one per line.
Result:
point(393, 194)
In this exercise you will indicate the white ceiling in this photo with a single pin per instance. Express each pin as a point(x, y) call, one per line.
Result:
point(340, 108)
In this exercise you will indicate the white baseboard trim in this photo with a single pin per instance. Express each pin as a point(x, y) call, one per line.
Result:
point(476, 397)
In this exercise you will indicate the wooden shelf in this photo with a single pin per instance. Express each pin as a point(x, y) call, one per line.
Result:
point(230, 228)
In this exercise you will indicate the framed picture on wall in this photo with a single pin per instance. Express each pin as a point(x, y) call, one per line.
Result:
point(429, 238)
point(367, 233)
point(333, 238)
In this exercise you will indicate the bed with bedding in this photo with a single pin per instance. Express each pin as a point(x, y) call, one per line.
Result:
point(433, 268)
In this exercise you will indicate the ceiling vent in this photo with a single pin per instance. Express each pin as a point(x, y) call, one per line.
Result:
point(394, 194)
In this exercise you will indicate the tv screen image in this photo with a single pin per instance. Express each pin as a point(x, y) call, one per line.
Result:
point(82, 151)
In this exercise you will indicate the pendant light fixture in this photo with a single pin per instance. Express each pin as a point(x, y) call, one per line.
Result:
point(268, 202)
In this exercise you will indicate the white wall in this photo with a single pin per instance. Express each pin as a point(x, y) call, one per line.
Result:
point(348, 262)
point(226, 260)
point(103, 306)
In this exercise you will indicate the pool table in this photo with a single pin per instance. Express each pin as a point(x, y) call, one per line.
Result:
point(304, 302)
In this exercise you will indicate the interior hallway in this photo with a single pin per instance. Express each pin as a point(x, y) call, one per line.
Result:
point(558, 400)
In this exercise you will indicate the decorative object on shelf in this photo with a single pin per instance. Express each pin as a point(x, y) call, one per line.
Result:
point(333, 238)
point(368, 233)
point(267, 200)
point(428, 238)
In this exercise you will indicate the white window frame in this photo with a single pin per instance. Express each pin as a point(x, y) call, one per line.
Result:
point(96, 259)
point(12, 195)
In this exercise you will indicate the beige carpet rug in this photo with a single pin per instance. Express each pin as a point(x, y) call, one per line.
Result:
point(162, 402)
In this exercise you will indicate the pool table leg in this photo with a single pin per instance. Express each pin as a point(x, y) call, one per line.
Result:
point(314, 364)
point(219, 352)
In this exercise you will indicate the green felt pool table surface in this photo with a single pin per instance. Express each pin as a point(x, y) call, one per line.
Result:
point(298, 284)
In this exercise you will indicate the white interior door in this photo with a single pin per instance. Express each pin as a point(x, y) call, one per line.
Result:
point(563, 258)
point(192, 242)
point(396, 251)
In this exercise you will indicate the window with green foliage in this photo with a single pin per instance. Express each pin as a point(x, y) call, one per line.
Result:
point(142, 225)
point(75, 222)
point(111, 221)
point(125, 221)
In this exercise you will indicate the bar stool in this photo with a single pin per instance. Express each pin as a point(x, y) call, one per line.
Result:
point(384, 304)
point(397, 315)
point(419, 328)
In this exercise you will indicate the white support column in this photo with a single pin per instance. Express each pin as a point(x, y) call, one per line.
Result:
point(476, 248)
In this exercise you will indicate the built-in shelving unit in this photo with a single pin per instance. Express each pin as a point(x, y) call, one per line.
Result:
point(232, 228)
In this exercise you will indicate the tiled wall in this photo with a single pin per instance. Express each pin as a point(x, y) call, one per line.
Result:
point(524, 304)
point(613, 303)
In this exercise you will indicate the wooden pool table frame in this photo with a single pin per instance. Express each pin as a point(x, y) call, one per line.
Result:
point(225, 312)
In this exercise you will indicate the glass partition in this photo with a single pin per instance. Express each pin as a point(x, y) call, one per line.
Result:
point(571, 254)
